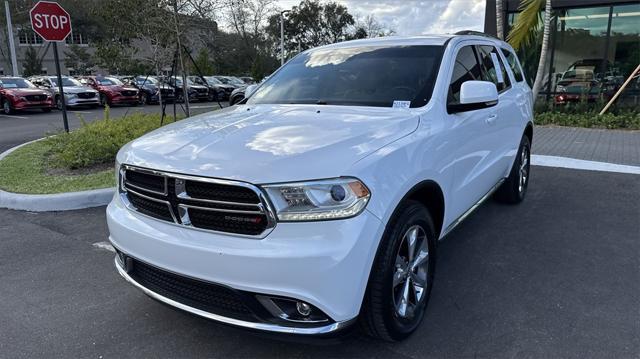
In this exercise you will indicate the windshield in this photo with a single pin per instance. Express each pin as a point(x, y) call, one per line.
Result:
point(212, 80)
point(236, 81)
point(146, 81)
point(19, 83)
point(357, 76)
point(66, 82)
point(108, 81)
point(178, 81)
point(224, 80)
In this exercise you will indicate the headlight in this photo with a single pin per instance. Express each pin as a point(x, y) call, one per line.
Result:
point(319, 200)
point(69, 95)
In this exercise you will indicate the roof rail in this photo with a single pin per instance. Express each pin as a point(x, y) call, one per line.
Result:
point(477, 33)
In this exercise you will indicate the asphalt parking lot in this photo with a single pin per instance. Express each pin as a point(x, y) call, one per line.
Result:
point(30, 125)
point(558, 276)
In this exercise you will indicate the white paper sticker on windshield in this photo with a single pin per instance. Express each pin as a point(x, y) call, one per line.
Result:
point(496, 64)
point(401, 104)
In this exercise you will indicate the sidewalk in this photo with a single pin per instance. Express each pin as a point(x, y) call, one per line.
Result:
point(612, 146)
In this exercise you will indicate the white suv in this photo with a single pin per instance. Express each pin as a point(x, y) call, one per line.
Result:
point(321, 198)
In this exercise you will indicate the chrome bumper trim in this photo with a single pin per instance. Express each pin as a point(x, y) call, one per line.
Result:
point(327, 329)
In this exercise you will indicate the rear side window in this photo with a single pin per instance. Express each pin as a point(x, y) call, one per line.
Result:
point(466, 68)
point(513, 64)
point(493, 69)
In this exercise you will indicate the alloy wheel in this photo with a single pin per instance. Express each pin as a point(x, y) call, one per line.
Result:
point(6, 107)
point(411, 272)
point(523, 175)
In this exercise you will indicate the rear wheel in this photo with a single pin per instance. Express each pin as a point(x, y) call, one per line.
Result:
point(514, 189)
point(143, 99)
point(402, 275)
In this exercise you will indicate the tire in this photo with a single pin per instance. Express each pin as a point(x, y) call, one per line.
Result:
point(46, 110)
point(514, 189)
point(143, 99)
point(58, 103)
point(6, 108)
point(104, 101)
point(382, 308)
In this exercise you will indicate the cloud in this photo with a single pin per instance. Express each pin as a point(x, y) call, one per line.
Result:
point(408, 17)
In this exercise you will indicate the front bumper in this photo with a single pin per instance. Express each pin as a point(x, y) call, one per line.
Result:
point(76, 101)
point(26, 105)
point(325, 264)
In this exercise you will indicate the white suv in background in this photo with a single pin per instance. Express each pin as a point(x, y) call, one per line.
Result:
point(320, 200)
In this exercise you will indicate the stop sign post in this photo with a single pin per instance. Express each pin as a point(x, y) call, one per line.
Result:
point(53, 23)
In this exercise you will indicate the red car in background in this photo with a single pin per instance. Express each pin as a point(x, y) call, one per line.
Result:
point(112, 91)
point(17, 94)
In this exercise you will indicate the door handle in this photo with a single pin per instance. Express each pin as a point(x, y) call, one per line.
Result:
point(491, 119)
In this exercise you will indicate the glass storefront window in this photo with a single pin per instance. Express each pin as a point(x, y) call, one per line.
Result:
point(580, 43)
point(624, 49)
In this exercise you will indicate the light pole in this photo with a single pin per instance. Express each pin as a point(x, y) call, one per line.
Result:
point(282, 36)
point(12, 48)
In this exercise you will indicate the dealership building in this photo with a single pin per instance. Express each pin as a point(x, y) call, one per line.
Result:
point(601, 35)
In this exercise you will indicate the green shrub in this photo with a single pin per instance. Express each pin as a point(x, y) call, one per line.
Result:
point(98, 142)
point(629, 120)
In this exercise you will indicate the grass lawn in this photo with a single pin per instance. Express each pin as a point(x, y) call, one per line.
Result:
point(26, 170)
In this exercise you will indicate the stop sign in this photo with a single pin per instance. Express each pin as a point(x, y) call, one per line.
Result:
point(50, 20)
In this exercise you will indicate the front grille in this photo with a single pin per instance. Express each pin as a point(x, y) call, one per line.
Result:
point(36, 97)
point(198, 294)
point(150, 207)
point(86, 95)
point(209, 204)
point(129, 93)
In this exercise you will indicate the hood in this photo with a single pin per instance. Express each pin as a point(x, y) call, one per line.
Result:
point(26, 91)
point(270, 143)
point(118, 88)
point(77, 89)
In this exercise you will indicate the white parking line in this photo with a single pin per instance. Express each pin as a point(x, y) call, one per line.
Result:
point(81, 112)
point(105, 246)
point(12, 116)
point(565, 162)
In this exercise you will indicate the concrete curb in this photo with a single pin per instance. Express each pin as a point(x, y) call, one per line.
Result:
point(53, 202)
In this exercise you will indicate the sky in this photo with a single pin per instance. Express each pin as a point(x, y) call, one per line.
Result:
point(408, 17)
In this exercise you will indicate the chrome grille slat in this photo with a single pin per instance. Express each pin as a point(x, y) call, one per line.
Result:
point(236, 219)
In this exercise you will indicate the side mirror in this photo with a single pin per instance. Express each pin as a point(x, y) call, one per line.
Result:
point(250, 90)
point(475, 95)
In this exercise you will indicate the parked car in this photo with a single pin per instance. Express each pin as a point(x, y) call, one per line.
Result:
point(216, 92)
point(239, 94)
point(112, 91)
point(150, 89)
point(196, 92)
point(75, 93)
point(591, 91)
point(247, 80)
point(17, 93)
point(230, 80)
point(320, 202)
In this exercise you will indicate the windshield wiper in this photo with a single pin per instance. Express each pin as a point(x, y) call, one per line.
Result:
point(321, 102)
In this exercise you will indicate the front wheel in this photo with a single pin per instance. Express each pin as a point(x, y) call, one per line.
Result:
point(6, 107)
point(514, 189)
point(104, 101)
point(402, 275)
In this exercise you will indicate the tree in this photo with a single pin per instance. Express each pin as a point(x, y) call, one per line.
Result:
point(203, 63)
point(312, 24)
point(32, 63)
point(499, 20)
point(372, 27)
point(525, 30)
point(79, 59)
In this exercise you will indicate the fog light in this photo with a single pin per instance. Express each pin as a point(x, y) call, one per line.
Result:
point(303, 308)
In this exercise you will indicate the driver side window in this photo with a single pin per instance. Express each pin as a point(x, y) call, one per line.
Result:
point(465, 68)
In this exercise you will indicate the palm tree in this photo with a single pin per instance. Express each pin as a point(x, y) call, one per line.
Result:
point(499, 20)
point(527, 27)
